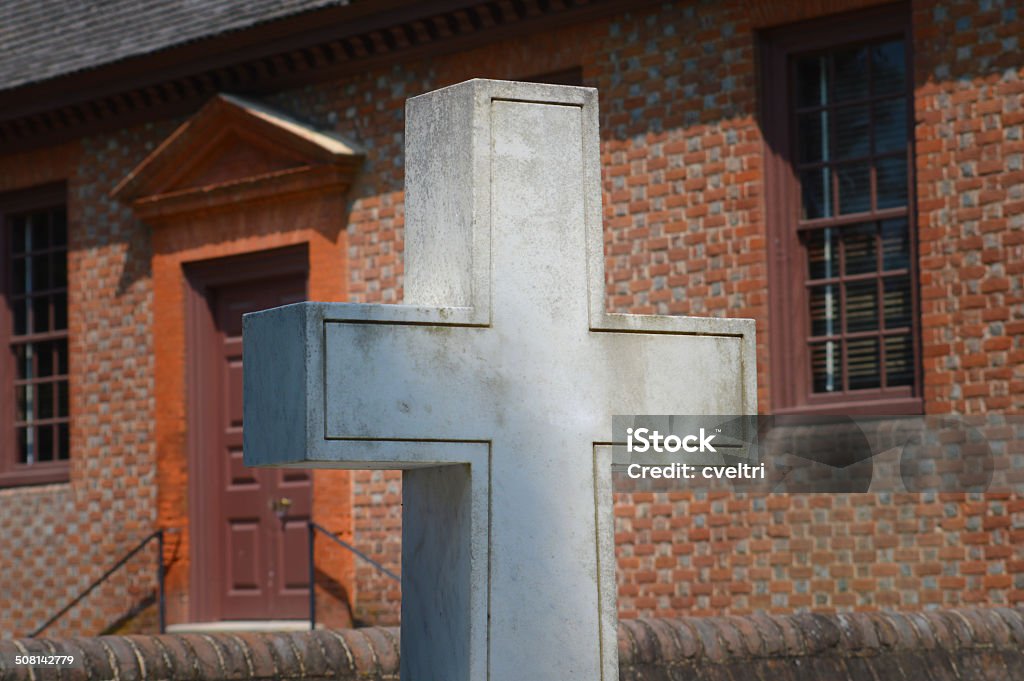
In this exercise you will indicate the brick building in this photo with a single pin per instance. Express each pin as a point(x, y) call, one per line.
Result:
point(846, 172)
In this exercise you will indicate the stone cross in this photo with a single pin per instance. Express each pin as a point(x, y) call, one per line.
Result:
point(493, 388)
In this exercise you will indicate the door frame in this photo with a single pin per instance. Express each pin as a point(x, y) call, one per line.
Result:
point(200, 277)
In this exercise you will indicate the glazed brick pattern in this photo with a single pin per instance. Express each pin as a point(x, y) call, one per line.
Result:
point(687, 553)
point(124, 480)
point(970, 165)
point(684, 231)
point(57, 538)
point(709, 552)
point(684, 217)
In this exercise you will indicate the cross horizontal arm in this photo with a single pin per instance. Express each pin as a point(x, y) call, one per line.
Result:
point(396, 314)
point(410, 381)
point(306, 352)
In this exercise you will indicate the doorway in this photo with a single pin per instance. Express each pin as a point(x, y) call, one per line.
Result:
point(249, 535)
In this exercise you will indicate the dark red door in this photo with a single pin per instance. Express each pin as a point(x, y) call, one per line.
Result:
point(261, 540)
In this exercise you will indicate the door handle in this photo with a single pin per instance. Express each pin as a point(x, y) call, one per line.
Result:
point(281, 506)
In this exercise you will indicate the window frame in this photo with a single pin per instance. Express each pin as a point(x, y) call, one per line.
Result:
point(13, 473)
point(789, 314)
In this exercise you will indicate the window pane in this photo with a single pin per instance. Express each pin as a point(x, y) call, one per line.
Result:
point(60, 312)
point(19, 233)
point(45, 399)
point(24, 358)
point(852, 131)
point(21, 317)
point(851, 74)
point(888, 67)
point(60, 227)
point(824, 310)
point(899, 360)
point(40, 273)
point(63, 442)
point(811, 75)
point(62, 357)
point(62, 399)
point(826, 373)
point(816, 190)
point(44, 361)
point(813, 136)
point(862, 367)
point(859, 244)
point(18, 275)
point(861, 306)
point(23, 400)
point(41, 314)
point(892, 182)
point(822, 254)
point(40, 230)
point(24, 445)
point(854, 188)
point(44, 443)
point(890, 121)
point(60, 269)
point(897, 302)
point(895, 245)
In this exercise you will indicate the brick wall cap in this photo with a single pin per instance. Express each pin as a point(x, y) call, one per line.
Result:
point(749, 634)
point(923, 630)
point(1013, 621)
point(648, 648)
point(773, 635)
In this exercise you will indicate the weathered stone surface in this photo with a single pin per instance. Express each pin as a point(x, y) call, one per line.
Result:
point(827, 647)
point(958, 645)
point(493, 387)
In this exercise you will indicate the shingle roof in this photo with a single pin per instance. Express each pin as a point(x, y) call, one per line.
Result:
point(41, 39)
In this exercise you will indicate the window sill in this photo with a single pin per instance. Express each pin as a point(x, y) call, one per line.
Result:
point(39, 474)
point(893, 406)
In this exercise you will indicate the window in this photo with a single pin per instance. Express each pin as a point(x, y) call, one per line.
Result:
point(34, 338)
point(839, 193)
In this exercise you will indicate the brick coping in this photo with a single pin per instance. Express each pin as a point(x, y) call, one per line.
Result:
point(968, 643)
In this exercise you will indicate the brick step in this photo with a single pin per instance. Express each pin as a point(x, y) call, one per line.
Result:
point(238, 625)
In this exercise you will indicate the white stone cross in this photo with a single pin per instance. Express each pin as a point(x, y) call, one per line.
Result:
point(493, 387)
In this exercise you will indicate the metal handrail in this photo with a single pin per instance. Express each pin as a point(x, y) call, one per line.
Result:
point(313, 528)
point(160, 574)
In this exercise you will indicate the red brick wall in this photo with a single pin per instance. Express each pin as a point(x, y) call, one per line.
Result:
point(970, 165)
point(129, 470)
point(684, 212)
point(57, 537)
point(684, 207)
